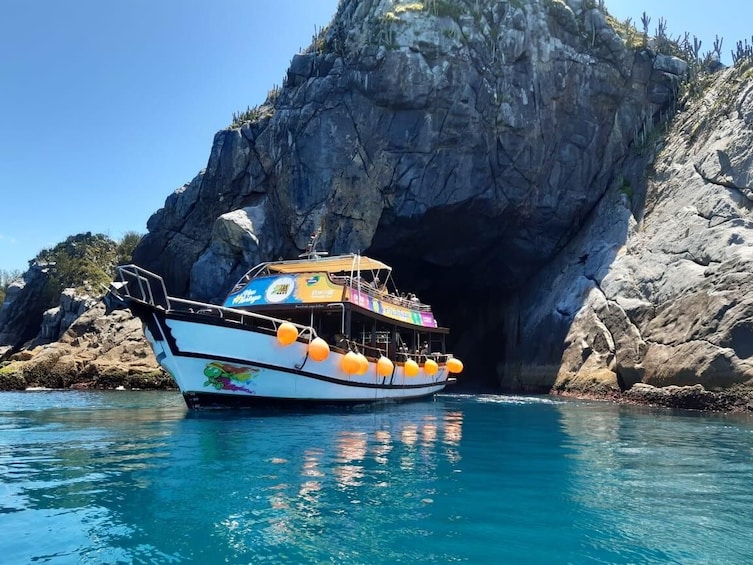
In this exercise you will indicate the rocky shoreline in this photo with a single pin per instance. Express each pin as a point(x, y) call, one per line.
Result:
point(107, 351)
point(98, 351)
point(15, 376)
point(20, 375)
point(695, 397)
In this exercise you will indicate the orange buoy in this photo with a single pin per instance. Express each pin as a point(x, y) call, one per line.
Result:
point(431, 367)
point(411, 368)
point(350, 363)
point(363, 364)
point(385, 367)
point(318, 349)
point(454, 365)
point(287, 333)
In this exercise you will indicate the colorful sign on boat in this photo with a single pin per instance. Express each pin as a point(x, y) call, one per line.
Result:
point(391, 310)
point(316, 288)
point(286, 289)
point(223, 376)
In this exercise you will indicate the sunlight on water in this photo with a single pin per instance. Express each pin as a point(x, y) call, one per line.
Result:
point(512, 399)
point(124, 477)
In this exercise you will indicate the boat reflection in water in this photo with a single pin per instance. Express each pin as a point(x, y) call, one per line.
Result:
point(316, 469)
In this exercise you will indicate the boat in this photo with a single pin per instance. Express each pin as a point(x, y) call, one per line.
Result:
point(317, 329)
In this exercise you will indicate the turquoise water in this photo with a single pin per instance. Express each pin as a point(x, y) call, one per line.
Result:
point(133, 477)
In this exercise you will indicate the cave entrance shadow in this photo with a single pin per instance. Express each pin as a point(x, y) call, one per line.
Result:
point(510, 319)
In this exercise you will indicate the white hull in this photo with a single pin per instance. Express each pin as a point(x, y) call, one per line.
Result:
point(230, 364)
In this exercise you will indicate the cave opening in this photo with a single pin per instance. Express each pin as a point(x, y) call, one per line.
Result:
point(469, 279)
point(473, 312)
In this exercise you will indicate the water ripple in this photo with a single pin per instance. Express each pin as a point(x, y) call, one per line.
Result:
point(134, 478)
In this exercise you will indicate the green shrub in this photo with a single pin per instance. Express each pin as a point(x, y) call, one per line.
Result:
point(126, 246)
point(445, 8)
point(85, 261)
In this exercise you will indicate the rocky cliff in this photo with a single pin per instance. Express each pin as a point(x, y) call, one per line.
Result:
point(465, 142)
point(672, 304)
point(97, 351)
point(502, 155)
point(71, 345)
point(23, 309)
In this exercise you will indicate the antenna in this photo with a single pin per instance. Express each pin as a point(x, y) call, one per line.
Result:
point(311, 252)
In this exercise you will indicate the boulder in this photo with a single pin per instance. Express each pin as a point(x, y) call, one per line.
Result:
point(98, 351)
point(56, 321)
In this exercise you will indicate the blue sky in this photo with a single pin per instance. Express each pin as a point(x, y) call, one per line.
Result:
point(731, 20)
point(107, 107)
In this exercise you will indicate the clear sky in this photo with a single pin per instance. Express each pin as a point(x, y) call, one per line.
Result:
point(106, 107)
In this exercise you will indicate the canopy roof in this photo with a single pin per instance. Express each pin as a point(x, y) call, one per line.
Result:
point(337, 264)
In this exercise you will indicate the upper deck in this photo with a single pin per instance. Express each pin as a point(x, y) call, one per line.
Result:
point(308, 283)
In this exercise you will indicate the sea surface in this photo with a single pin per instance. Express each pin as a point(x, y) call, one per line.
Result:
point(134, 477)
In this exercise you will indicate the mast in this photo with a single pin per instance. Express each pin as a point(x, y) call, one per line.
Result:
point(311, 252)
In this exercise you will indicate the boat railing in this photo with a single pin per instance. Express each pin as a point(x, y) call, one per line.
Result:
point(403, 355)
point(381, 293)
point(357, 346)
point(243, 317)
point(142, 285)
point(149, 288)
point(421, 357)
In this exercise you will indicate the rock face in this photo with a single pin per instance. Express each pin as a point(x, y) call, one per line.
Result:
point(22, 311)
point(24, 322)
point(57, 320)
point(520, 168)
point(466, 143)
point(672, 304)
point(98, 351)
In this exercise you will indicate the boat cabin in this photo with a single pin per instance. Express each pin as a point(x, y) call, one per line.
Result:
point(349, 300)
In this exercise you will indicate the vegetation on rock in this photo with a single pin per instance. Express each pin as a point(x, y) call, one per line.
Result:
point(743, 52)
point(85, 261)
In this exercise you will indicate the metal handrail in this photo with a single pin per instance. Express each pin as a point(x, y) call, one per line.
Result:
point(143, 279)
point(367, 288)
point(146, 295)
